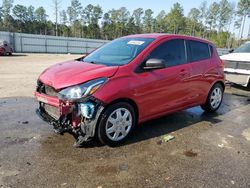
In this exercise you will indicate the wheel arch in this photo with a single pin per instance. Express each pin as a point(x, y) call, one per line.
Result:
point(219, 82)
point(127, 100)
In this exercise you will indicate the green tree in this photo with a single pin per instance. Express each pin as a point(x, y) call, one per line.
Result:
point(175, 20)
point(97, 14)
point(74, 11)
point(225, 14)
point(122, 20)
point(1, 13)
point(20, 13)
point(6, 7)
point(137, 15)
point(147, 21)
point(63, 17)
point(91, 15)
point(64, 29)
point(203, 10)
point(93, 28)
point(243, 10)
point(88, 13)
point(131, 27)
point(106, 26)
point(41, 17)
point(8, 21)
point(31, 13)
point(160, 22)
point(194, 18)
point(212, 16)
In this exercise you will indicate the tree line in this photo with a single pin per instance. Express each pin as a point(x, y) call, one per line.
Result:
point(211, 21)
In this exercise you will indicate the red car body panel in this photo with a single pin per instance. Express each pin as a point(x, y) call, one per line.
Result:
point(163, 91)
point(2, 51)
point(156, 92)
point(54, 101)
point(71, 73)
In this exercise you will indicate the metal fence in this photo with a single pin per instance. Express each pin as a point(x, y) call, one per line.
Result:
point(22, 42)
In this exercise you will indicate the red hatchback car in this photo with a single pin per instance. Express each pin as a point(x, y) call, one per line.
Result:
point(128, 81)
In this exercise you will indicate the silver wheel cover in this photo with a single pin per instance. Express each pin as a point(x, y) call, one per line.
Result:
point(118, 124)
point(216, 97)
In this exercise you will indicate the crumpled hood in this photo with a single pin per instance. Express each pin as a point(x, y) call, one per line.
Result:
point(71, 73)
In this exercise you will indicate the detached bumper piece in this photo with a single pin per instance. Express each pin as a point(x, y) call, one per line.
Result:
point(79, 118)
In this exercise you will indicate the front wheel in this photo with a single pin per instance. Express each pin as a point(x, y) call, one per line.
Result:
point(116, 124)
point(214, 99)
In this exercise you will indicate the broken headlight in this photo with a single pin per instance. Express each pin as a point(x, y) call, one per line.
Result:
point(82, 90)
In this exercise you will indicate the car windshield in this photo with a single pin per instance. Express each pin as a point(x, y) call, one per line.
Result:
point(244, 48)
point(118, 52)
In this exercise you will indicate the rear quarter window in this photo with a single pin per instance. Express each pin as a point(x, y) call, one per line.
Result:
point(198, 51)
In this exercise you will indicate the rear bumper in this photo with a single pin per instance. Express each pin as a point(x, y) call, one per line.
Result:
point(238, 77)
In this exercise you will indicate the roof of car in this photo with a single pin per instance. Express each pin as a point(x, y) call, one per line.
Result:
point(166, 35)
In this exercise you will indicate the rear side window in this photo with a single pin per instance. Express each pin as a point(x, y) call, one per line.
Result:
point(172, 51)
point(198, 51)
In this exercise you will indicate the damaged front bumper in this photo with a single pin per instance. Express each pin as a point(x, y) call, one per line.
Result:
point(78, 118)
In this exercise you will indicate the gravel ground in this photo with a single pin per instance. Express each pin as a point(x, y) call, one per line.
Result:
point(207, 150)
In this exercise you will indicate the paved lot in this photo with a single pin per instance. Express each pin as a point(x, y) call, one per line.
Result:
point(207, 151)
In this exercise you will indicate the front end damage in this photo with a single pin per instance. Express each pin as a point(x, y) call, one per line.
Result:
point(78, 118)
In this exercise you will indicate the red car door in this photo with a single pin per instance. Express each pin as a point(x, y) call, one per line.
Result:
point(200, 62)
point(165, 90)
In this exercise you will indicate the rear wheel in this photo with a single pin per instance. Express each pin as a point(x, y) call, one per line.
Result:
point(116, 124)
point(214, 99)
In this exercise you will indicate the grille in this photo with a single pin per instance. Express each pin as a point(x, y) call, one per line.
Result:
point(48, 90)
point(237, 65)
point(52, 111)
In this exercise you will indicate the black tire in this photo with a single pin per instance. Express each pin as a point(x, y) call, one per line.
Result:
point(208, 107)
point(101, 128)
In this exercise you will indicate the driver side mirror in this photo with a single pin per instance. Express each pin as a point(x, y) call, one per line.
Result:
point(154, 64)
point(231, 50)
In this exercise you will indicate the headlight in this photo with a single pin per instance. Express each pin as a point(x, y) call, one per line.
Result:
point(83, 90)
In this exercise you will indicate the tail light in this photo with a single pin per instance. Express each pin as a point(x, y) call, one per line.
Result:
point(222, 63)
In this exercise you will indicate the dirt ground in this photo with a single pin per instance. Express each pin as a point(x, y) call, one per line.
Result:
point(207, 151)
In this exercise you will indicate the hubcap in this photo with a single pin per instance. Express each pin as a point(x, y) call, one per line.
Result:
point(118, 124)
point(216, 97)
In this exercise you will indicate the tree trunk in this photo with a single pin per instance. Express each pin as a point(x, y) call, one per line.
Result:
point(248, 33)
point(243, 25)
